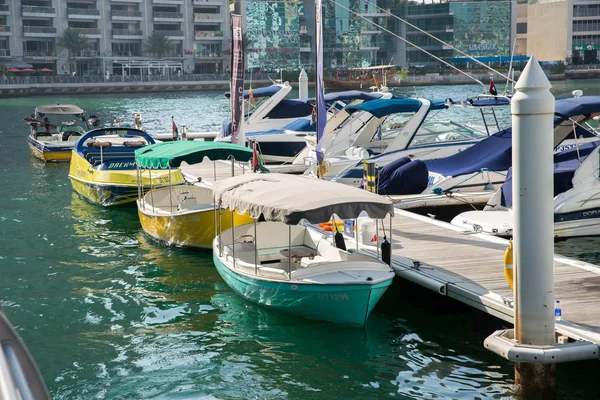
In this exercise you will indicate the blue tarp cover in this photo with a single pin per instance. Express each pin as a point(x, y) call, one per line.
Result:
point(565, 165)
point(260, 92)
point(403, 176)
point(577, 106)
point(290, 109)
point(494, 152)
point(382, 107)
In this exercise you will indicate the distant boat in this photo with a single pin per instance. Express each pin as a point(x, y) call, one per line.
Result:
point(185, 215)
point(359, 78)
point(103, 169)
point(53, 131)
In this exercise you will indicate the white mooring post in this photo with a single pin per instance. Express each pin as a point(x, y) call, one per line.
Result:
point(532, 111)
point(531, 344)
point(303, 85)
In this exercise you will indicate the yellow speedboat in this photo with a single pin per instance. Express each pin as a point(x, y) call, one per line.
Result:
point(52, 140)
point(186, 215)
point(103, 169)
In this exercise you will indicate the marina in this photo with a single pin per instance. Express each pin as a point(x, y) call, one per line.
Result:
point(147, 311)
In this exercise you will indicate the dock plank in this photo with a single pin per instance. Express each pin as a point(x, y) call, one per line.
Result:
point(472, 266)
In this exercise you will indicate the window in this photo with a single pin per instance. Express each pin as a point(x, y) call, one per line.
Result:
point(522, 27)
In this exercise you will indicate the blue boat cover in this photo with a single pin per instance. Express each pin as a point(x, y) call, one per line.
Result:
point(493, 153)
point(403, 176)
point(260, 92)
point(226, 127)
point(290, 109)
point(382, 107)
point(351, 95)
point(565, 165)
point(571, 107)
point(301, 125)
point(501, 101)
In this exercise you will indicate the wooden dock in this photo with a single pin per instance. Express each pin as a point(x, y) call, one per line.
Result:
point(469, 268)
point(466, 267)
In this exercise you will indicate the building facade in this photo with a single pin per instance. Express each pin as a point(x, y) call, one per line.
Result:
point(117, 31)
point(482, 29)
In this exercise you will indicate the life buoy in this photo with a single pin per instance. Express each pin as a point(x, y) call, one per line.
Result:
point(508, 264)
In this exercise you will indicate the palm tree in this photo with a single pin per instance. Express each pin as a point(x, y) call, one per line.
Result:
point(158, 44)
point(74, 42)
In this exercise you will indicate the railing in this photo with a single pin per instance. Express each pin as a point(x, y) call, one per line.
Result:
point(87, 53)
point(4, 52)
point(4, 7)
point(37, 78)
point(204, 17)
point(120, 13)
point(127, 54)
point(205, 34)
point(200, 2)
point(208, 54)
point(38, 10)
point(39, 29)
point(171, 15)
point(39, 54)
point(4, 28)
point(83, 11)
point(169, 33)
point(87, 31)
point(127, 32)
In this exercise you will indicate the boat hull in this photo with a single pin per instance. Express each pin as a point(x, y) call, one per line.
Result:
point(348, 304)
point(194, 229)
point(50, 152)
point(112, 187)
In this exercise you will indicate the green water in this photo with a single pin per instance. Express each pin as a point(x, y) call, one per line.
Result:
point(109, 314)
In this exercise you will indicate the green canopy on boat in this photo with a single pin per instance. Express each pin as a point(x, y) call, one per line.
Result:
point(172, 154)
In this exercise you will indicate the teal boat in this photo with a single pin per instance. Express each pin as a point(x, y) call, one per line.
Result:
point(290, 266)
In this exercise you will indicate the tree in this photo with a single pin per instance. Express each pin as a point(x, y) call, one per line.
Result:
point(158, 44)
point(74, 42)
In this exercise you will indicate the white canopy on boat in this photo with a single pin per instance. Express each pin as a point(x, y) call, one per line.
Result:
point(59, 109)
point(291, 198)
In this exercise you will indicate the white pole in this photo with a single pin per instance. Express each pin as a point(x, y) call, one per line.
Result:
point(242, 133)
point(303, 85)
point(532, 109)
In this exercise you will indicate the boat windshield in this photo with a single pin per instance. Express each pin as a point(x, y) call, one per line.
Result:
point(438, 131)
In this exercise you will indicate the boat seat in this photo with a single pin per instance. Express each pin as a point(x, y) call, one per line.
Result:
point(187, 203)
point(276, 273)
point(306, 261)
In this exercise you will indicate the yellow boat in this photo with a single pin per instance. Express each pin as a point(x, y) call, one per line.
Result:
point(103, 169)
point(186, 215)
point(53, 140)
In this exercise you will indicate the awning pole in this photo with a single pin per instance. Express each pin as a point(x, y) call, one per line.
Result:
point(289, 252)
point(255, 250)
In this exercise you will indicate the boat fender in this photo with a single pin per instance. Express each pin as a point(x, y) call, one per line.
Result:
point(340, 243)
point(508, 264)
point(386, 252)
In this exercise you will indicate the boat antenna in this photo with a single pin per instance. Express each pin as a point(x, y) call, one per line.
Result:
point(411, 43)
point(436, 38)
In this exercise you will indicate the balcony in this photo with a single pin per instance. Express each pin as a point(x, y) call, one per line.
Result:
point(173, 35)
point(127, 34)
point(4, 10)
point(5, 30)
point(92, 33)
point(127, 54)
point(39, 31)
point(168, 16)
point(34, 11)
point(202, 17)
point(305, 48)
point(167, 2)
point(208, 35)
point(4, 52)
point(126, 1)
point(87, 54)
point(39, 55)
point(83, 13)
point(374, 14)
point(370, 30)
point(208, 3)
point(126, 15)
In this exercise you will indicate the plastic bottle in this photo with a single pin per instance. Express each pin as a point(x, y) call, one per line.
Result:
point(557, 311)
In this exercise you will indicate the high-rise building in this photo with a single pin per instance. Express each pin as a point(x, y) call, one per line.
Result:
point(118, 31)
